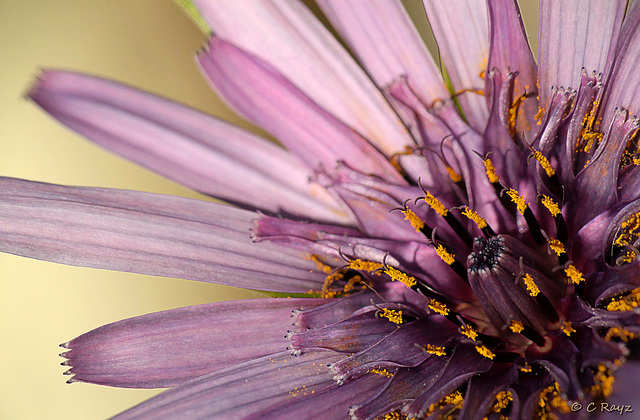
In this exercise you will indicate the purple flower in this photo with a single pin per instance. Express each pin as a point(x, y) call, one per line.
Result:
point(465, 250)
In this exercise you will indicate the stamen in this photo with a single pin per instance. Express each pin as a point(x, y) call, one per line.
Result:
point(435, 204)
point(518, 200)
point(413, 218)
point(603, 382)
point(361, 265)
point(626, 302)
point(503, 399)
point(516, 326)
point(435, 350)
point(382, 372)
point(523, 209)
point(556, 246)
point(544, 162)
point(484, 351)
point(567, 328)
point(469, 331)
point(532, 287)
point(479, 221)
point(490, 170)
point(392, 315)
point(444, 254)
point(551, 205)
point(397, 275)
point(438, 307)
point(574, 274)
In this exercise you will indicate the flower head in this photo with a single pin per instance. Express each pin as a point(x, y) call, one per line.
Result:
point(461, 250)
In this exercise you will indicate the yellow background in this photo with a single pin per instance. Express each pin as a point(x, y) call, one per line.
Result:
point(147, 43)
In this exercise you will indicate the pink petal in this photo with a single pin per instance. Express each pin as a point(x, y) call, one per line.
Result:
point(385, 40)
point(288, 36)
point(146, 233)
point(185, 145)
point(241, 390)
point(461, 29)
point(574, 34)
point(268, 99)
point(623, 82)
point(168, 348)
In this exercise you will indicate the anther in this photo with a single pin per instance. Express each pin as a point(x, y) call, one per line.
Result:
point(529, 217)
point(451, 220)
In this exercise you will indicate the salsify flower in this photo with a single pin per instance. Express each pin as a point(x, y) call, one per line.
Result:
point(466, 249)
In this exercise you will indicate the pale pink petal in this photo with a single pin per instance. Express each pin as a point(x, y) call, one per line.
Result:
point(146, 233)
point(185, 145)
point(287, 35)
point(268, 99)
point(385, 40)
point(461, 29)
point(622, 84)
point(575, 34)
point(168, 348)
point(242, 390)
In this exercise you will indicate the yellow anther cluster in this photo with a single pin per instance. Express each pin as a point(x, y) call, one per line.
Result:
point(551, 205)
point(630, 230)
point(603, 382)
point(567, 328)
point(513, 113)
point(503, 398)
point(484, 351)
point(445, 255)
point(628, 302)
point(519, 200)
point(623, 335)
point(531, 285)
point(540, 114)
point(455, 177)
point(435, 204)
point(490, 171)
point(588, 137)
point(435, 350)
point(392, 416)
point(455, 399)
point(516, 326)
point(544, 162)
point(413, 218)
point(361, 265)
point(479, 221)
point(629, 257)
point(526, 368)
point(438, 307)
point(382, 372)
point(397, 275)
point(392, 315)
point(469, 331)
point(550, 398)
point(574, 274)
point(556, 246)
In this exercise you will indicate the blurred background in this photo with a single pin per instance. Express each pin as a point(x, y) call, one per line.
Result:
point(146, 43)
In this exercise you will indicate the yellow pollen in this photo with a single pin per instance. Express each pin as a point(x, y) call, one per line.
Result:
point(438, 307)
point(382, 372)
point(397, 275)
point(435, 204)
point(623, 335)
point(358, 264)
point(567, 328)
point(502, 401)
point(413, 218)
point(322, 266)
point(526, 368)
point(455, 177)
point(435, 350)
point(556, 246)
point(532, 287)
point(551, 205)
point(490, 171)
point(516, 326)
point(630, 230)
point(392, 416)
point(479, 221)
point(540, 114)
point(518, 200)
point(392, 315)
point(544, 162)
point(574, 274)
point(603, 382)
point(455, 399)
point(513, 113)
point(626, 302)
point(445, 255)
point(629, 257)
point(468, 331)
point(484, 351)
